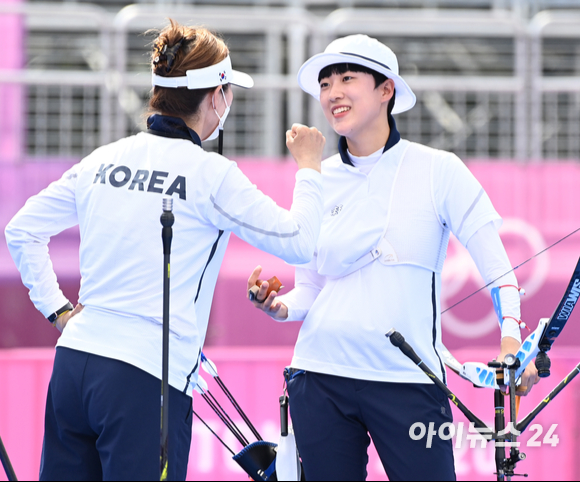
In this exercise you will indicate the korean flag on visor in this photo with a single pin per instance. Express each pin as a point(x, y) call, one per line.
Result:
point(361, 50)
point(212, 76)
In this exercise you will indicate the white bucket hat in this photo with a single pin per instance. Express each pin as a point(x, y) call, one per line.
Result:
point(361, 50)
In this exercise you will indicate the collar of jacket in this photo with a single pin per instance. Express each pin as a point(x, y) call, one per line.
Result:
point(394, 138)
point(172, 127)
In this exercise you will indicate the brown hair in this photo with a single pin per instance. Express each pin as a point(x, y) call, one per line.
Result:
point(176, 50)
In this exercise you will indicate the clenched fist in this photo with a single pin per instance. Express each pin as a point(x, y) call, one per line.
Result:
point(306, 145)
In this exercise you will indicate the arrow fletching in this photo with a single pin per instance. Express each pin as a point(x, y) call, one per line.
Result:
point(209, 366)
point(201, 386)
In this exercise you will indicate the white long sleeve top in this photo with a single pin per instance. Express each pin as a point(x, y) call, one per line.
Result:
point(115, 196)
point(345, 319)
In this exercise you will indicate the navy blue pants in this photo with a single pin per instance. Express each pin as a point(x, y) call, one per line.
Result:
point(103, 422)
point(333, 417)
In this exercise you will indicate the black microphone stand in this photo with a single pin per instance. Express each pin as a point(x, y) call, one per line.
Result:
point(6, 463)
point(167, 220)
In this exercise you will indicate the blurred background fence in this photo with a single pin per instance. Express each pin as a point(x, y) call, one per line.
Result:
point(496, 79)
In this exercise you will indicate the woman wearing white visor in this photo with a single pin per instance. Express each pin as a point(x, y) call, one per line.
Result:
point(390, 206)
point(103, 407)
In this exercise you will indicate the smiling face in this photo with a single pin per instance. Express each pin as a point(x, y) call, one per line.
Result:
point(354, 105)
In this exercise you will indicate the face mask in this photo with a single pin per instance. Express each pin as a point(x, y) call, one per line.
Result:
point(215, 134)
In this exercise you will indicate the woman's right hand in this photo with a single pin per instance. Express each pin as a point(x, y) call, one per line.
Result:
point(306, 145)
point(268, 304)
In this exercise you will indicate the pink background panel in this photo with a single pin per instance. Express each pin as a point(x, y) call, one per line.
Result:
point(254, 376)
point(538, 204)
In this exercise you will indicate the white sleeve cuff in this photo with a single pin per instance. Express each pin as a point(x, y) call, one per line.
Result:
point(293, 313)
point(308, 174)
point(50, 308)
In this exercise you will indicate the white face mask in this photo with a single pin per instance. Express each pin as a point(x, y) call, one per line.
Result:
point(222, 120)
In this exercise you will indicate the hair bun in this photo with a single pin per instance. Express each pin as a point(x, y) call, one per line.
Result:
point(167, 54)
point(171, 53)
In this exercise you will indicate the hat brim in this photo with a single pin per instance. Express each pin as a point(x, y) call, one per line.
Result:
point(405, 98)
point(241, 79)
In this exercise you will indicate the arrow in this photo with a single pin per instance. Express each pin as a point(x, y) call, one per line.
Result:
point(210, 368)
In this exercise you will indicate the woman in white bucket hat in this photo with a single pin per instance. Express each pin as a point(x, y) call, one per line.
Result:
point(102, 411)
point(390, 207)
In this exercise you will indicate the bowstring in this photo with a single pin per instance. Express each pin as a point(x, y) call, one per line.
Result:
point(511, 271)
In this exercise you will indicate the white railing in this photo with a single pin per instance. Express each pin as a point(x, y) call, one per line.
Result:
point(455, 111)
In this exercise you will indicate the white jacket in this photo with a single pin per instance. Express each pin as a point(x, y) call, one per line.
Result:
point(115, 195)
point(422, 195)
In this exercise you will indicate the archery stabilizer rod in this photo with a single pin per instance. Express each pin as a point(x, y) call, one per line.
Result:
point(524, 424)
point(398, 341)
point(6, 462)
point(167, 221)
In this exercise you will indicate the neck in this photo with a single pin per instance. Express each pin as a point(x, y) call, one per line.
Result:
point(370, 139)
point(195, 123)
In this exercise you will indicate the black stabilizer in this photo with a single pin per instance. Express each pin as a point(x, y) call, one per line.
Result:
point(523, 425)
point(6, 463)
point(500, 427)
point(167, 221)
point(543, 364)
point(398, 341)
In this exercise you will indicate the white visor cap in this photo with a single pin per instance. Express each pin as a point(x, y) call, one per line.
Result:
point(212, 76)
point(361, 50)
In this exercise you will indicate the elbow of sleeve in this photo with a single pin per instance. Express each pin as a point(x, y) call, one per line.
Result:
point(16, 240)
point(303, 255)
point(15, 236)
point(306, 247)
point(10, 235)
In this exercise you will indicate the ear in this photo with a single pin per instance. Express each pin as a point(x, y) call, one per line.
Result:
point(214, 95)
point(387, 89)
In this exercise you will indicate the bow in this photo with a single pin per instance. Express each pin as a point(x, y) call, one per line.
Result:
point(507, 373)
point(535, 346)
